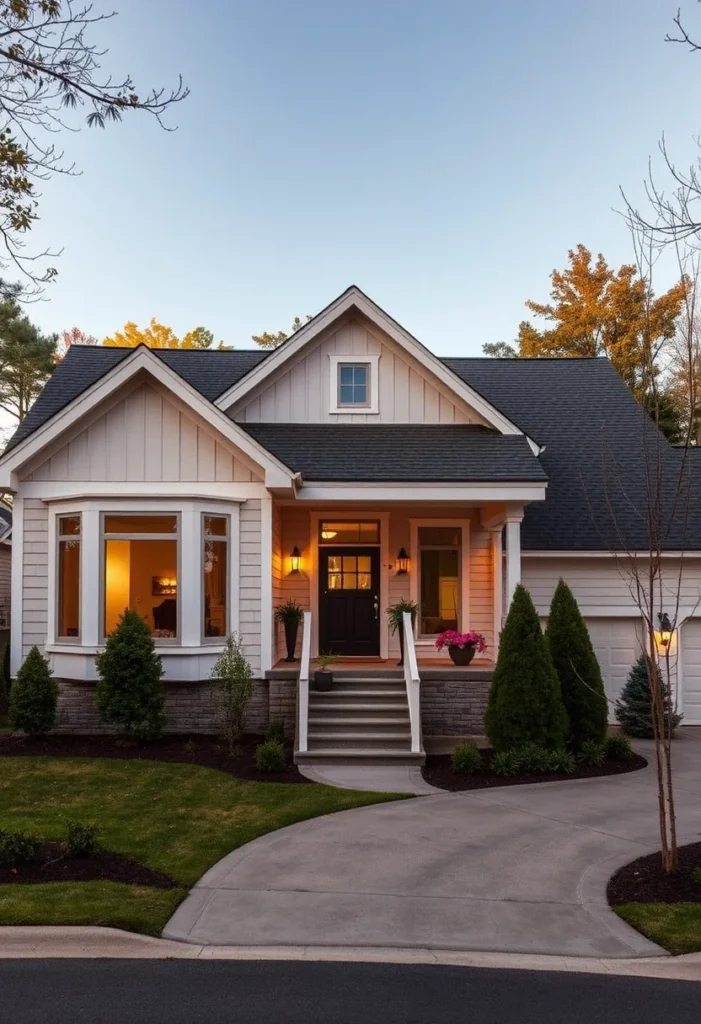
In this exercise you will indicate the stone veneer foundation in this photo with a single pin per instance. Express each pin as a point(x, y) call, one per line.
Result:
point(188, 707)
point(454, 707)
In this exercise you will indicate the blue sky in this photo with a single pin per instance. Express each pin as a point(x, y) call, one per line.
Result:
point(442, 155)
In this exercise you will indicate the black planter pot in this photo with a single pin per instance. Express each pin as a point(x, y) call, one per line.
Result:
point(461, 655)
point(323, 681)
point(291, 629)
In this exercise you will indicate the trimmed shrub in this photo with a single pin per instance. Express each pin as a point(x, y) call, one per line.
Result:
point(232, 690)
point(466, 759)
point(534, 759)
point(592, 754)
point(276, 730)
point(130, 692)
point(617, 748)
point(34, 696)
point(19, 848)
point(525, 705)
point(634, 706)
point(270, 756)
point(506, 762)
point(82, 840)
point(562, 761)
point(577, 668)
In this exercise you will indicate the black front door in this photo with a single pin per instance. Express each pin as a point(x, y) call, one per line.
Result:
point(349, 601)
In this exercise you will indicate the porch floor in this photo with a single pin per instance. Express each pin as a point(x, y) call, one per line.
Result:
point(379, 668)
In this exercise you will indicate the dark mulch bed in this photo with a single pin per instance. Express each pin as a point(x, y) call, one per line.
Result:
point(438, 771)
point(643, 881)
point(54, 865)
point(208, 751)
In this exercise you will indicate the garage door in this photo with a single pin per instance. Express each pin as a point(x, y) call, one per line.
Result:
point(691, 671)
point(617, 643)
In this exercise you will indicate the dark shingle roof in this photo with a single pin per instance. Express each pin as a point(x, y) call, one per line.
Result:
point(596, 437)
point(593, 431)
point(211, 372)
point(398, 452)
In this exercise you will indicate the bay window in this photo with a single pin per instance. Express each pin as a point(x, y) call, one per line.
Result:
point(141, 571)
point(215, 575)
point(68, 605)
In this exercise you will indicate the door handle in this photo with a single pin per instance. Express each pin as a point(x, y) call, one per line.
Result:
point(376, 607)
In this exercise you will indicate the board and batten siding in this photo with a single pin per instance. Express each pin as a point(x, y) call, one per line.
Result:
point(301, 393)
point(250, 570)
point(35, 574)
point(145, 437)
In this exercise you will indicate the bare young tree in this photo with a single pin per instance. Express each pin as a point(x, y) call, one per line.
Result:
point(50, 69)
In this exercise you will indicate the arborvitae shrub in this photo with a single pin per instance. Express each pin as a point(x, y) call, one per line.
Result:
point(130, 692)
point(34, 696)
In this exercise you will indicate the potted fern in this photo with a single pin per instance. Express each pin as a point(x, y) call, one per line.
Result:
point(323, 678)
point(290, 614)
point(395, 614)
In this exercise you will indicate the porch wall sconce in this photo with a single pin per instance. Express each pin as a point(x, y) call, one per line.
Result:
point(295, 558)
point(402, 562)
point(665, 631)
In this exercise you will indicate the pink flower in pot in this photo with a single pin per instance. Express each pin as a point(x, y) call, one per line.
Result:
point(461, 646)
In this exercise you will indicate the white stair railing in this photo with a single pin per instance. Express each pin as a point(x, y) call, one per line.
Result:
point(303, 686)
point(413, 683)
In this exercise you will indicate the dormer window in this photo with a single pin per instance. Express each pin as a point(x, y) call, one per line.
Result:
point(354, 383)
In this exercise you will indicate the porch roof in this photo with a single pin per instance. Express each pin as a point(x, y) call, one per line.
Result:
point(393, 452)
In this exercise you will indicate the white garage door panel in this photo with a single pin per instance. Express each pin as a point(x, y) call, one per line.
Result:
point(691, 671)
point(618, 646)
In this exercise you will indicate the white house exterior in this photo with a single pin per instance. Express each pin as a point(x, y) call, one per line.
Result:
point(205, 488)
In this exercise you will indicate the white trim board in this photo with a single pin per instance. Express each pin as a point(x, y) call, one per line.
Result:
point(355, 299)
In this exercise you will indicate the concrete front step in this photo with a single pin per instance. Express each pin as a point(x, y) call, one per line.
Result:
point(383, 721)
point(359, 755)
point(356, 707)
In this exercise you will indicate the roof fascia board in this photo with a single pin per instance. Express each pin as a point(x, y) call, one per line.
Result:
point(353, 298)
point(354, 492)
point(142, 359)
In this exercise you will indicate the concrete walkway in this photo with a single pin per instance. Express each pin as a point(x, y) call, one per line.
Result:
point(519, 869)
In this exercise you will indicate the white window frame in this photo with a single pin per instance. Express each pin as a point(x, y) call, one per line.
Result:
point(426, 640)
point(369, 359)
point(174, 641)
point(225, 538)
point(60, 539)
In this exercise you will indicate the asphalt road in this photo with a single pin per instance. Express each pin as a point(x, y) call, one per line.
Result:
point(266, 992)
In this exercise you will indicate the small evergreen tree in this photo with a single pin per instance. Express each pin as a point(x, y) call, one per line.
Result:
point(232, 690)
point(525, 705)
point(130, 691)
point(34, 696)
point(577, 668)
point(634, 706)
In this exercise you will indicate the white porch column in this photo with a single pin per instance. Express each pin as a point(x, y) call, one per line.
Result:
point(513, 557)
point(498, 573)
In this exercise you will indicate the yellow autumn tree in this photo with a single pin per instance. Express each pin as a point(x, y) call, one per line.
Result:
point(157, 335)
point(596, 311)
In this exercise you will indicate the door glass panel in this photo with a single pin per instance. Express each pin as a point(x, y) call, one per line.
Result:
point(364, 563)
point(334, 581)
point(364, 581)
point(350, 563)
point(334, 563)
point(350, 581)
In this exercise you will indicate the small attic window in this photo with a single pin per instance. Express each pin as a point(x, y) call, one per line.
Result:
point(354, 383)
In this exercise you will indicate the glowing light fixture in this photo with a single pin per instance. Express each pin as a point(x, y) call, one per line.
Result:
point(328, 534)
point(666, 630)
point(295, 558)
point(402, 562)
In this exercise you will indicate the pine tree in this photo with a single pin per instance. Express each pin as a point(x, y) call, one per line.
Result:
point(577, 668)
point(34, 696)
point(130, 691)
point(634, 706)
point(525, 705)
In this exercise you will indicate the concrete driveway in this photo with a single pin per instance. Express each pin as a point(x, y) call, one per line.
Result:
point(517, 869)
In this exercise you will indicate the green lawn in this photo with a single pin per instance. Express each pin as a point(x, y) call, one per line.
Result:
point(176, 818)
point(675, 926)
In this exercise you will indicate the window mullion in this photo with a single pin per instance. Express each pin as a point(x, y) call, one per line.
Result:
point(91, 599)
point(190, 578)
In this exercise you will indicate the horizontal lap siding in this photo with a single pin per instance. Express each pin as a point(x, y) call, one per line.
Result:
point(250, 580)
point(145, 437)
point(35, 571)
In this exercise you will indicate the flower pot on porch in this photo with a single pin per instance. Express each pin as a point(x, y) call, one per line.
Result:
point(291, 629)
point(461, 655)
point(323, 681)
